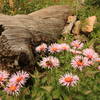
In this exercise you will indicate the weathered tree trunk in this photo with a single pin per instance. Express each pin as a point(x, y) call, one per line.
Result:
point(19, 33)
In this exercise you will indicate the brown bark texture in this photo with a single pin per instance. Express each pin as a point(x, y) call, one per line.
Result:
point(20, 33)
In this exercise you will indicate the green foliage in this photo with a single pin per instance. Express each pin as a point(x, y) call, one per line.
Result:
point(93, 2)
point(28, 6)
point(91, 8)
point(45, 85)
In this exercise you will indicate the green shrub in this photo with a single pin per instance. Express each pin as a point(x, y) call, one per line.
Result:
point(93, 2)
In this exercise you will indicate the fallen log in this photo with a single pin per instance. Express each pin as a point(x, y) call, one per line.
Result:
point(20, 33)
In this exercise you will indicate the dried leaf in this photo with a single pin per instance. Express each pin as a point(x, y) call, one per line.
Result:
point(48, 88)
point(1, 3)
point(11, 3)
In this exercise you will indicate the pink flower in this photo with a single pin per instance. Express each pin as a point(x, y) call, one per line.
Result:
point(77, 44)
point(64, 47)
point(49, 62)
point(19, 78)
point(97, 59)
point(53, 48)
point(75, 52)
point(98, 67)
point(3, 76)
point(12, 89)
point(91, 62)
point(90, 54)
point(41, 48)
point(79, 62)
point(69, 80)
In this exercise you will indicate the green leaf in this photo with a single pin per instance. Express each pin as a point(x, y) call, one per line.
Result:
point(56, 94)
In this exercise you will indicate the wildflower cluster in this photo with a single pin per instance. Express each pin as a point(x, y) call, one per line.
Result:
point(53, 48)
point(12, 84)
point(81, 58)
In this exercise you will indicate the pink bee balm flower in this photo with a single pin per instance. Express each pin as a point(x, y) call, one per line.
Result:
point(41, 47)
point(75, 52)
point(3, 76)
point(53, 48)
point(49, 62)
point(64, 47)
point(79, 62)
point(12, 89)
point(77, 44)
point(90, 54)
point(69, 80)
point(19, 78)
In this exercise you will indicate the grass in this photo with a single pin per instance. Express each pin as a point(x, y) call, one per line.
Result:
point(28, 6)
point(44, 83)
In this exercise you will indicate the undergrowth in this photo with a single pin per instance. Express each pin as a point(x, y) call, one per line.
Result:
point(44, 84)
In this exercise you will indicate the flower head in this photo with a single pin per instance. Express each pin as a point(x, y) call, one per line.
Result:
point(97, 59)
point(75, 52)
point(53, 48)
point(77, 44)
point(41, 47)
point(69, 80)
point(3, 76)
point(90, 54)
point(79, 62)
point(98, 67)
point(49, 62)
point(19, 78)
point(64, 47)
point(12, 89)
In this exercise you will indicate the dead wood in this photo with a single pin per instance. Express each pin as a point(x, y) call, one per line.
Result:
point(19, 33)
